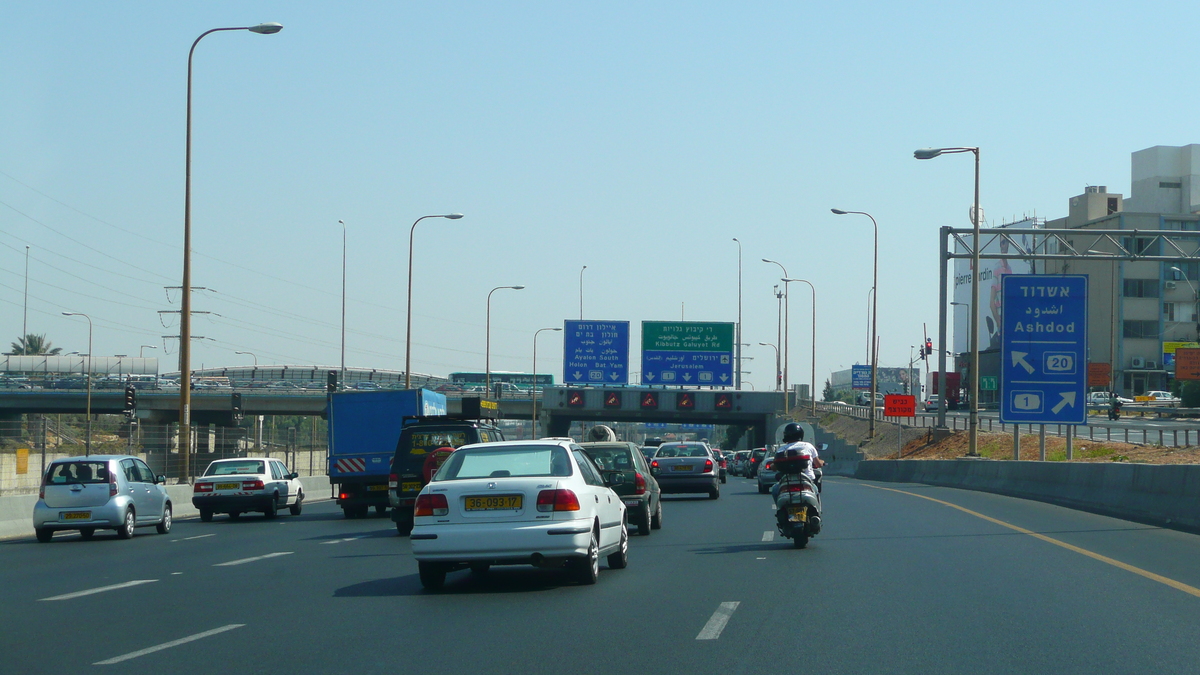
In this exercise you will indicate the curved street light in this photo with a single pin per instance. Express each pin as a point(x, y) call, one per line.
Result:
point(813, 393)
point(534, 430)
point(487, 355)
point(973, 438)
point(874, 316)
point(768, 344)
point(737, 381)
point(408, 321)
point(185, 305)
point(342, 374)
point(581, 269)
point(786, 351)
point(87, 442)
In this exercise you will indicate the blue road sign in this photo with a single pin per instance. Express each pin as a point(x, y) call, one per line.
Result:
point(1043, 349)
point(596, 352)
point(687, 353)
point(860, 377)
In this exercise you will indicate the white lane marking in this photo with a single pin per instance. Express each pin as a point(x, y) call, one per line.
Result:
point(167, 645)
point(760, 558)
point(175, 574)
point(338, 541)
point(768, 536)
point(93, 591)
point(256, 558)
point(716, 623)
point(199, 536)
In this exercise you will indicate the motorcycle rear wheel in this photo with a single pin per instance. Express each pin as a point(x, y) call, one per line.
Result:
point(800, 540)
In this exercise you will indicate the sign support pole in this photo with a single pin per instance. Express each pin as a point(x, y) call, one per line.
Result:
point(1042, 442)
point(1016, 442)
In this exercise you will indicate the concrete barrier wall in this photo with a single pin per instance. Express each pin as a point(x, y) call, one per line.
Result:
point(1164, 494)
point(841, 458)
point(16, 512)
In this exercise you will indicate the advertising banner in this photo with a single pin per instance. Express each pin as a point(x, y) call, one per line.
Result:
point(990, 274)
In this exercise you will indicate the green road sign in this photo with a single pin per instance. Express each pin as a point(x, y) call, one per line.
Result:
point(987, 382)
point(687, 353)
point(687, 336)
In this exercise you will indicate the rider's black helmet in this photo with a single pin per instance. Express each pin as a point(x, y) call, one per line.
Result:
point(793, 432)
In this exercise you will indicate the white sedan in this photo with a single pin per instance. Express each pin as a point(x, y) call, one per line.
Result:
point(235, 486)
point(542, 503)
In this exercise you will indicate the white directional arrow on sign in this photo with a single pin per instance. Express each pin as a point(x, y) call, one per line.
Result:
point(650, 376)
point(1018, 359)
point(724, 378)
point(687, 377)
point(577, 374)
point(613, 376)
point(1068, 399)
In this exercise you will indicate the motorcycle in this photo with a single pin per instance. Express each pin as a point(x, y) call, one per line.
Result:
point(798, 501)
point(1114, 411)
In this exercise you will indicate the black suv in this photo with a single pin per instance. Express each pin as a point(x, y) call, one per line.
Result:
point(420, 436)
point(639, 491)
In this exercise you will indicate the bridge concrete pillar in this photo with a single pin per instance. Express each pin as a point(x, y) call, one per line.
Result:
point(559, 425)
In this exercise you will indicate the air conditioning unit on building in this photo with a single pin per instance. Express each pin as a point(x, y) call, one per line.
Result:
point(1170, 285)
point(1139, 362)
point(1151, 365)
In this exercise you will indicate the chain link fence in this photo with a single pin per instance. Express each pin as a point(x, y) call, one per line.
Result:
point(30, 444)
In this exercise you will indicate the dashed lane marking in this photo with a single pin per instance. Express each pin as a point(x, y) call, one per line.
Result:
point(256, 558)
point(716, 623)
point(338, 541)
point(199, 536)
point(768, 536)
point(168, 645)
point(102, 589)
point(1177, 585)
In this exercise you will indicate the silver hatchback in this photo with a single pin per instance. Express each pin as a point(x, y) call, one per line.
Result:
point(101, 492)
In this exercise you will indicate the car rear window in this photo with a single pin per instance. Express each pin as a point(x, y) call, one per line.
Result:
point(424, 442)
point(506, 461)
point(682, 451)
point(70, 473)
point(236, 467)
point(611, 459)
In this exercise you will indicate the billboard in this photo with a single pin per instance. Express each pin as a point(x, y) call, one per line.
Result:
point(990, 274)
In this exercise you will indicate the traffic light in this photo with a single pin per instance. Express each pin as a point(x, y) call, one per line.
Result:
point(928, 346)
point(130, 401)
point(237, 407)
point(331, 381)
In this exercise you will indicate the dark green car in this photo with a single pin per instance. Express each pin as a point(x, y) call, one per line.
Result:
point(640, 492)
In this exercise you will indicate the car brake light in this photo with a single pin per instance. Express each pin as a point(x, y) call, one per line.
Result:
point(557, 500)
point(654, 464)
point(344, 496)
point(393, 480)
point(431, 505)
point(252, 485)
point(639, 484)
point(202, 487)
point(708, 465)
point(112, 484)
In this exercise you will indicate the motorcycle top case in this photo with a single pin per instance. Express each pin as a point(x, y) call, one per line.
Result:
point(792, 465)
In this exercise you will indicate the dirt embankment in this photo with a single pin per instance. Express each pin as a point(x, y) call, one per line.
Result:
point(919, 444)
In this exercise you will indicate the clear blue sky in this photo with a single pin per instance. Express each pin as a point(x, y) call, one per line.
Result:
point(635, 138)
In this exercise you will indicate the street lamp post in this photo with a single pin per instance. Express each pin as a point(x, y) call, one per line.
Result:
point(813, 393)
point(738, 357)
point(874, 315)
point(142, 350)
point(251, 355)
point(87, 441)
point(342, 374)
point(533, 431)
point(581, 269)
point(786, 351)
point(973, 439)
point(408, 321)
point(778, 334)
point(487, 356)
point(768, 344)
point(185, 305)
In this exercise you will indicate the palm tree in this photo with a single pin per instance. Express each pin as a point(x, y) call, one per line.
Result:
point(34, 344)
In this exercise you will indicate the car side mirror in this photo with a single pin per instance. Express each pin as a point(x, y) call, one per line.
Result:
point(160, 479)
point(822, 447)
point(293, 475)
point(614, 479)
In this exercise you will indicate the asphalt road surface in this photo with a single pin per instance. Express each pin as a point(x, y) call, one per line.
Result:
point(897, 583)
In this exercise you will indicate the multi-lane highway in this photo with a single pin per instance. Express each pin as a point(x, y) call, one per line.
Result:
point(904, 579)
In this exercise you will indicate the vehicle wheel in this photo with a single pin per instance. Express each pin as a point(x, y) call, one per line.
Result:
point(722, 479)
point(165, 525)
point(480, 568)
point(44, 534)
point(349, 512)
point(656, 519)
point(587, 569)
point(645, 521)
point(86, 533)
point(800, 540)
point(272, 509)
point(433, 575)
point(294, 509)
point(206, 515)
point(234, 515)
point(404, 526)
point(380, 509)
point(714, 492)
point(762, 490)
point(126, 529)
point(363, 511)
point(620, 559)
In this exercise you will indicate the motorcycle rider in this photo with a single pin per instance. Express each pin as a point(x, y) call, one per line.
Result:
point(793, 438)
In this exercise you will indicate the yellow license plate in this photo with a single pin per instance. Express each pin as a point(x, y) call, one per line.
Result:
point(410, 487)
point(682, 467)
point(228, 486)
point(77, 515)
point(377, 488)
point(797, 515)
point(497, 503)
